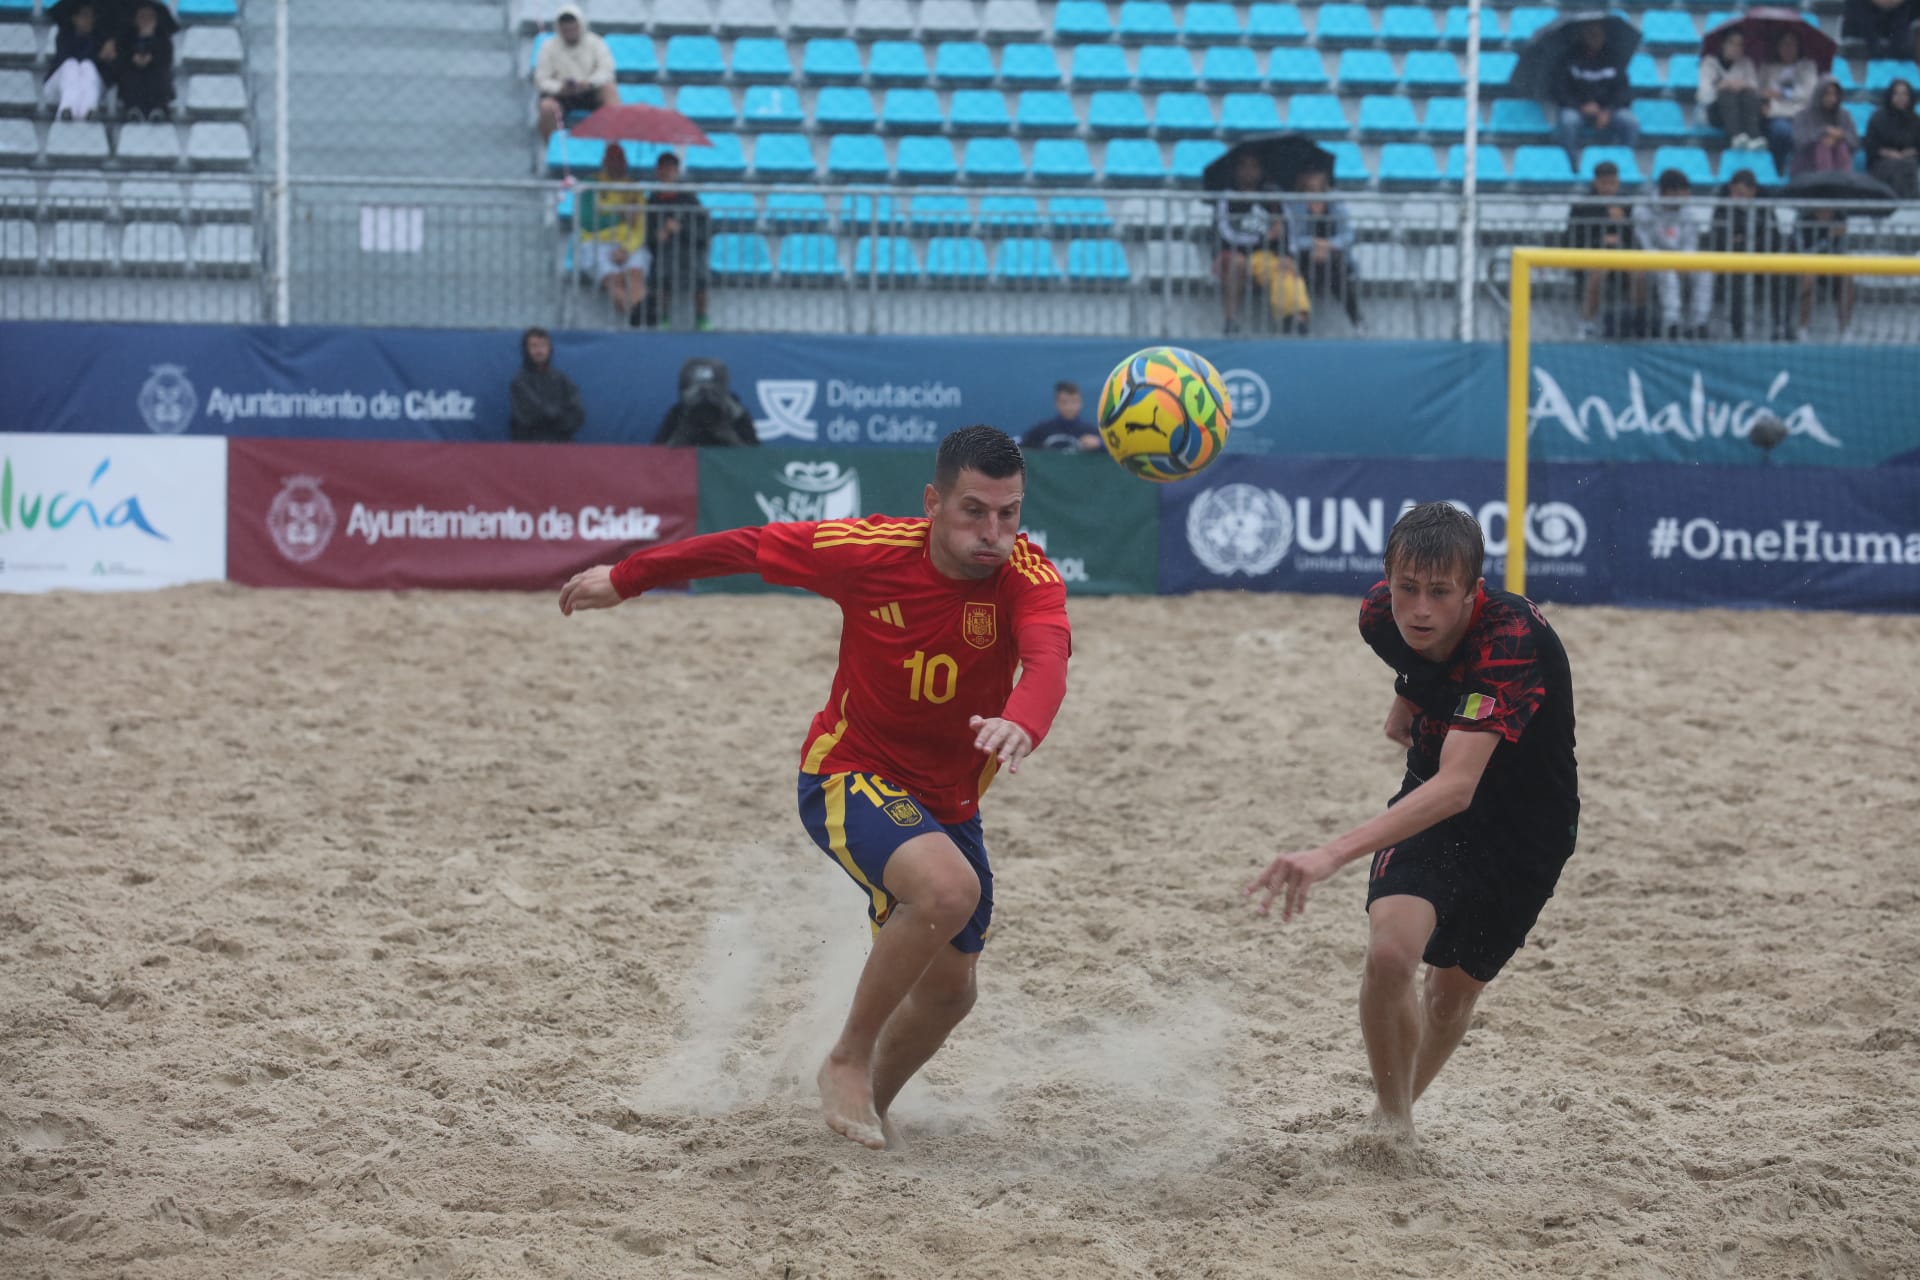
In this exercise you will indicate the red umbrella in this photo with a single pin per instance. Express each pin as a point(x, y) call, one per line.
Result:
point(638, 122)
point(1763, 29)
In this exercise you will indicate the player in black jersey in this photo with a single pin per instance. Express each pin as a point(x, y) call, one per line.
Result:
point(1468, 852)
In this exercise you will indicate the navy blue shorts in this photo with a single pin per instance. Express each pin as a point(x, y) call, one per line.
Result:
point(859, 819)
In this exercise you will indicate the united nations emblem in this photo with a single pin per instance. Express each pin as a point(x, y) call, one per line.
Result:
point(301, 519)
point(167, 401)
point(1239, 528)
point(904, 813)
point(976, 624)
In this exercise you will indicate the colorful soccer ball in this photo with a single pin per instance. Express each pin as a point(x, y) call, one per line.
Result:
point(1164, 413)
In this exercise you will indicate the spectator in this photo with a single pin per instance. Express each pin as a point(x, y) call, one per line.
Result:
point(1602, 222)
point(708, 414)
point(1823, 231)
point(1824, 136)
point(1321, 233)
point(613, 236)
point(678, 233)
point(1746, 225)
point(1066, 431)
point(1786, 86)
point(144, 72)
point(1883, 26)
point(546, 404)
point(1666, 225)
point(574, 72)
point(80, 52)
point(1893, 142)
point(1730, 93)
point(1252, 240)
point(1593, 96)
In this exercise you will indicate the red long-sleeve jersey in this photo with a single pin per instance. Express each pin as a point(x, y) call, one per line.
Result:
point(920, 653)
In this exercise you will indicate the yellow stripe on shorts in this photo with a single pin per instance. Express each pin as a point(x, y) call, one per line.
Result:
point(835, 792)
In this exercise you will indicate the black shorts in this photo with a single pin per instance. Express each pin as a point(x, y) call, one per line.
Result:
point(587, 100)
point(1485, 891)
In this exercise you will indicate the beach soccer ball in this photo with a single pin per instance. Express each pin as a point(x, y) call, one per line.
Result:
point(1164, 413)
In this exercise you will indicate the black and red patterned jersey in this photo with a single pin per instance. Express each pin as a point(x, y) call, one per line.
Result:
point(1509, 676)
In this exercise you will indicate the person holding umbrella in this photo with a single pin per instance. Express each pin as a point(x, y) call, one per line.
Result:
point(1824, 136)
point(1786, 85)
point(1893, 142)
point(1250, 228)
point(1592, 95)
point(83, 57)
point(145, 66)
point(1729, 94)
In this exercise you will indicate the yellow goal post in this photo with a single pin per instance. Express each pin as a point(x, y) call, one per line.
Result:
point(1526, 260)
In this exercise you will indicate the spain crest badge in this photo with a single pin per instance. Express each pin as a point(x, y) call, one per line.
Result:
point(976, 624)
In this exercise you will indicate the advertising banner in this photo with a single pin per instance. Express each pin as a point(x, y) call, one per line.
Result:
point(1099, 525)
point(372, 515)
point(111, 513)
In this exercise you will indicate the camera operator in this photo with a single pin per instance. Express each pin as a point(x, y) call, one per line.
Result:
point(707, 413)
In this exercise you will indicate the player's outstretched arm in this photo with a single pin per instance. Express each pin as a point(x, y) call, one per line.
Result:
point(1023, 722)
point(706, 555)
point(589, 589)
point(1399, 726)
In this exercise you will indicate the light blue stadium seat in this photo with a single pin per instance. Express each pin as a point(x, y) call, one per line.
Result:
point(817, 18)
point(1668, 31)
point(1842, 74)
point(1691, 161)
point(1383, 117)
point(1882, 72)
point(1630, 175)
point(633, 57)
point(863, 212)
point(1318, 114)
point(724, 159)
point(980, 110)
point(1490, 168)
point(843, 107)
point(885, 258)
point(1344, 24)
point(1032, 64)
point(1537, 166)
point(1760, 163)
point(810, 258)
point(1349, 165)
point(1522, 23)
point(911, 111)
point(1429, 70)
point(1446, 119)
point(646, 95)
point(768, 106)
point(1291, 69)
point(1518, 118)
point(1248, 114)
point(793, 208)
point(670, 17)
point(897, 62)
point(1097, 262)
point(1079, 211)
point(1192, 155)
point(963, 62)
point(949, 20)
point(1268, 23)
point(992, 160)
point(1683, 75)
point(1408, 164)
point(783, 157)
point(1077, 20)
point(694, 58)
point(881, 19)
point(1025, 258)
point(1062, 160)
point(582, 156)
point(1860, 111)
point(1496, 70)
point(1453, 29)
point(1097, 64)
point(1407, 25)
point(740, 255)
point(748, 18)
point(1178, 113)
point(1226, 68)
point(926, 159)
point(728, 208)
point(1366, 69)
point(761, 58)
point(940, 213)
point(1116, 111)
point(1208, 22)
point(1165, 66)
point(956, 259)
point(1045, 111)
point(1663, 118)
point(852, 157)
point(707, 104)
point(1146, 21)
point(1135, 162)
point(1643, 74)
point(825, 60)
point(1009, 211)
point(206, 10)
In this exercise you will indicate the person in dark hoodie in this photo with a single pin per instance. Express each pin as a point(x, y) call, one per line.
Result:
point(1824, 136)
point(707, 414)
point(546, 404)
point(1592, 97)
point(1893, 142)
point(1747, 225)
point(144, 69)
point(83, 60)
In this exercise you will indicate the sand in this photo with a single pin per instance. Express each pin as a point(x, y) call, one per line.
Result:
point(433, 935)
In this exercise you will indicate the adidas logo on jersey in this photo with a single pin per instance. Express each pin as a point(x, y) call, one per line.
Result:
point(889, 613)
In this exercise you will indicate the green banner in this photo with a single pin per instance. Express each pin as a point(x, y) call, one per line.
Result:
point(1100, 525)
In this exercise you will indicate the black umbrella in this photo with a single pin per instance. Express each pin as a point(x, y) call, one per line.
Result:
point(108, 15)
point(166, 25)
point(1283, 158)
point(1554, 45)
point(1840, 185)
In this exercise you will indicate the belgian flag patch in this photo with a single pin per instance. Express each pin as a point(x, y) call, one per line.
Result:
point(1475, 706)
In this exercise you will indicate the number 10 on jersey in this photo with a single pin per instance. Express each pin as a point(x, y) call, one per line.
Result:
point(934, 679)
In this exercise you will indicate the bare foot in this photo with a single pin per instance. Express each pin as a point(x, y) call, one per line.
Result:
point(1394, 1128)
point(892, 1133)
point(1385, 1144)
point(846, 1096)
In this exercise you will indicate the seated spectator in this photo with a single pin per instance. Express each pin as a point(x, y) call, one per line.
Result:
point(1883, 26)
point(1321, 235)
point(144, 70)
point(83, 56)
point(1824, 135)
point(1602, 222)
point(574, 72)
point(1252, 240)
point(708, 414)
point(1066, 431)
point(678, 235)
point(613, 236)
point(1893, 142)
point(1593, 97)
point(1823, 231)
point(1786, 87)
point(1730, 93)
point(1666, 225)
point(1746, 225)
point(546, 404)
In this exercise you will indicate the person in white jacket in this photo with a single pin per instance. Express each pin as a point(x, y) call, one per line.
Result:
point(1667, 225)
point(574, 71)
point(1786, 88)
point(1729, 95)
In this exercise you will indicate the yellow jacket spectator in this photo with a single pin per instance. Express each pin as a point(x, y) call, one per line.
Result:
point(613, 236)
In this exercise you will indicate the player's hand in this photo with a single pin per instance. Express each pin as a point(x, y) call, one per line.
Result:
point(1399, 726)
point(1292, 874)
point(1001, 738)
point(589, 589)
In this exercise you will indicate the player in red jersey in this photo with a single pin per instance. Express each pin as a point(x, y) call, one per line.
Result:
point(938, 613)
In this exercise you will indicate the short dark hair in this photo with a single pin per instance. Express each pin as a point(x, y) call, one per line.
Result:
point(1672, 180)
point(988, 450)
point(1744, 178)
point(664, 159)
point(1065, 388)
point(1606, 169)
point(1437, 536)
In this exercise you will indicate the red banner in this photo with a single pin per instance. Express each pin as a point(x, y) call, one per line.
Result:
point(365, 514)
